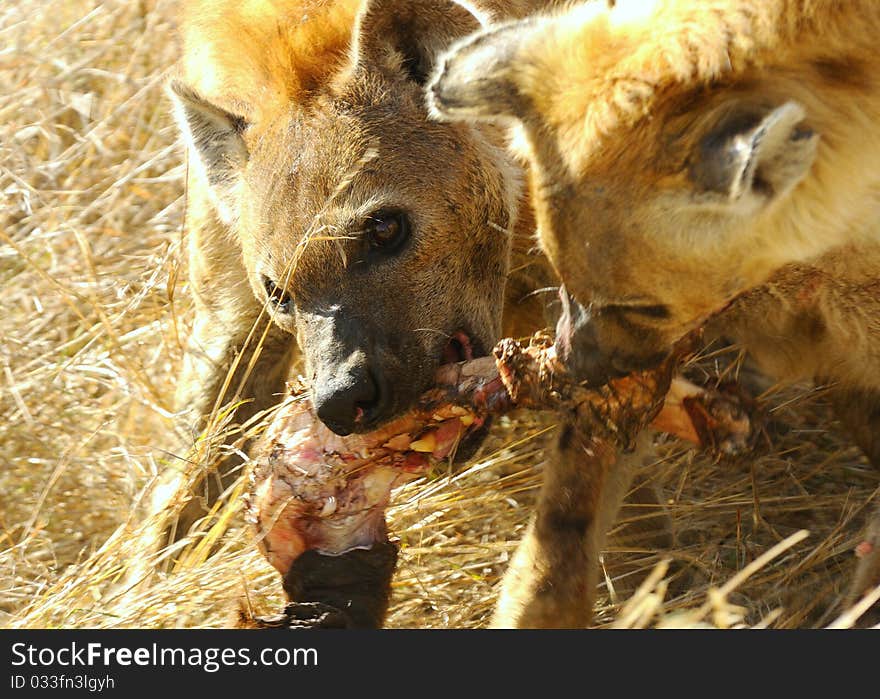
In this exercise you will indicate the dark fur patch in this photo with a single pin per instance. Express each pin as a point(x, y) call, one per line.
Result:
point(813, 327)
point(414, 60)
point(565, 437)
point(567, 523)
point(843, 72)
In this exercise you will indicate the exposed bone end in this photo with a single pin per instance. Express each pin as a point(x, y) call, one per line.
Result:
point(711, 419)
point(674, 417)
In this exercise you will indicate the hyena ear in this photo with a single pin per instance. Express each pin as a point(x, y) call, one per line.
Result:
point(480, 77)
point(749, 160)
point(214, 138)
point(410, 34)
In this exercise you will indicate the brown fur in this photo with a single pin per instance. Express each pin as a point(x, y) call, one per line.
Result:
point(303, 118)
point(690, 155)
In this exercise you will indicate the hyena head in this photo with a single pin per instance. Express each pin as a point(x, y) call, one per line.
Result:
point(658, 198)
point(379, 238)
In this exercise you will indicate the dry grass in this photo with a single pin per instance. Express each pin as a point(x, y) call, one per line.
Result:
point(93, 309)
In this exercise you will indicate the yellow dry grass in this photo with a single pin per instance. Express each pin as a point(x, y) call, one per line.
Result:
point(94, 309)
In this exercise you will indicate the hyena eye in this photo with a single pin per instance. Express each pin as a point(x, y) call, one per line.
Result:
point(277, 296)
point(387, 231)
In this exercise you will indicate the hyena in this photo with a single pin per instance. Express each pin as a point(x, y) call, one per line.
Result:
point(699, 161)
point(329, 220)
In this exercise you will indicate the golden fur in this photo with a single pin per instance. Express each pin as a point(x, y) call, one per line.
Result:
point(259, 55)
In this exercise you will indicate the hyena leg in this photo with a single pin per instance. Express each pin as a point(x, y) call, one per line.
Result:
point(859, 412)
point(552, 578)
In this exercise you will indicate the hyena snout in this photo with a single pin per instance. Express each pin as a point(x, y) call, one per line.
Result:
point(352, 377)
point(598, 345)
point(351, 395)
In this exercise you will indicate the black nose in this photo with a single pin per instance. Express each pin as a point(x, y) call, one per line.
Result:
point(349, 401)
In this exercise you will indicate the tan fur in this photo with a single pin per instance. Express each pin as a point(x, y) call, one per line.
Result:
point(687, 156)
point(302, 119)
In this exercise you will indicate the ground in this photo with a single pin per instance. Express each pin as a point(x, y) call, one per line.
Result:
point(94, 310)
